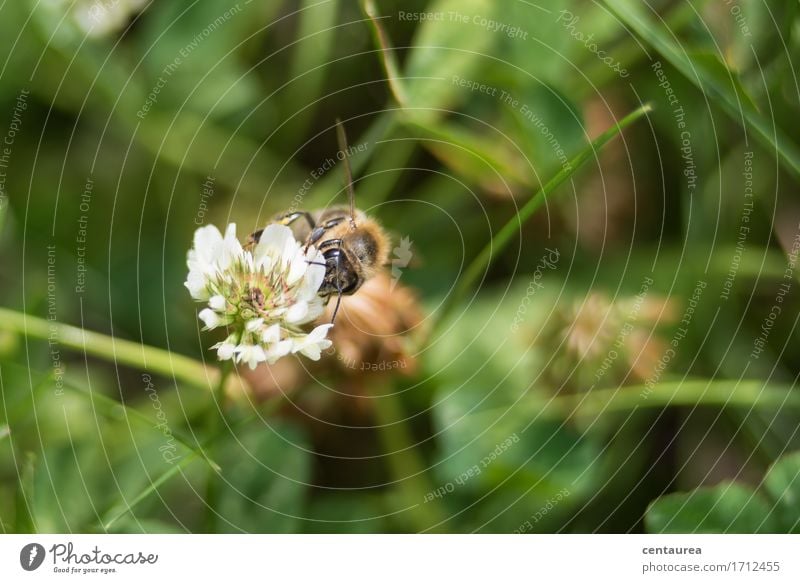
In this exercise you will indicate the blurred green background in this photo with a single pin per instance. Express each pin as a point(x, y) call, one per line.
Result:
point(623, 361)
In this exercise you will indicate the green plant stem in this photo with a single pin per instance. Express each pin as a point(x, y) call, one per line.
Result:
point(117, 350)
point(501, 240)
point(216, 425)
point(702, 393)
point(406, 467)
point(723, 393)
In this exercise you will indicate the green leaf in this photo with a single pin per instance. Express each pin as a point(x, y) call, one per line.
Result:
point(446, 48)
point(494, 441)
point(782, 484)
point(472, 155)
point(428, 88)
point(388, 60)
point(543, 456)
point(547, 49)
point(711, 77)
point(725, 508)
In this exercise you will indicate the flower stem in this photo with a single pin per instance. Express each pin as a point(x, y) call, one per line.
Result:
point(744, 394)
point(117, 350)
point(216, 425)
point(406, 467)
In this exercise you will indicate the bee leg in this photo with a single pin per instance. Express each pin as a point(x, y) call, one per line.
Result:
point(285, 220)
point(317, 233)
point(253, 238)
point(317, 263)
point(291, 217)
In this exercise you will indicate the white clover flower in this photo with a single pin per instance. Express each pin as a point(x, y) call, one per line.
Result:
point(99, 18)
point(263, 296)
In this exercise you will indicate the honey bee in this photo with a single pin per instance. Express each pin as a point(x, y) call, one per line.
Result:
point(353, 245)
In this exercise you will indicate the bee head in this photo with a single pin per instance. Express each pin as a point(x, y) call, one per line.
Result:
point(366, 246)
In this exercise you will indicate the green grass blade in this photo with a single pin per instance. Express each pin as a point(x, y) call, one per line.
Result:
point(501, 240)
point(711, 76)
point(719, 393)
point(741, 394)
point(126, 352)
point(387, 53)
point(25, 521)
point(125, 507)
point(114, 410)
point(144, 494)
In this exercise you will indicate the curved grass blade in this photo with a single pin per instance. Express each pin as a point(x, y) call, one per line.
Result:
point(387, 53)
point(505, 235)
point(127, 507)
point(144, 494)
point(112, 409)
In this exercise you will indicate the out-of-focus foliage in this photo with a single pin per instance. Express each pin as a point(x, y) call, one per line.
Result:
point(729, 507)
point(126, 125)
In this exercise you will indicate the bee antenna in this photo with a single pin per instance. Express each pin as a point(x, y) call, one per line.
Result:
point(341, 137)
